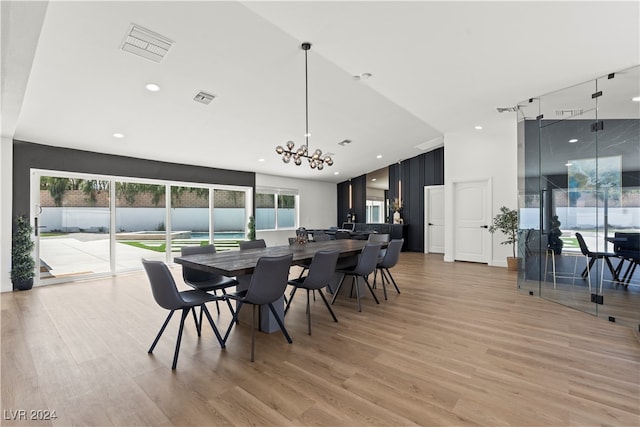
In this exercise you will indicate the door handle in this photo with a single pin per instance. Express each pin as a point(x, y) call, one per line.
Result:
point(430, 223)
point(484, 226)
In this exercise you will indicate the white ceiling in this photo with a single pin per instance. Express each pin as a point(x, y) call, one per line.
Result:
point(437, 67)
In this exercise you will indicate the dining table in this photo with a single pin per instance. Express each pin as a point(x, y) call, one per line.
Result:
point(241, 264)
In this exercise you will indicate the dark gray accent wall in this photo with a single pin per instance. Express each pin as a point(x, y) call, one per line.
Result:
point(358, 202)
point(28, 155)
point(416, 173)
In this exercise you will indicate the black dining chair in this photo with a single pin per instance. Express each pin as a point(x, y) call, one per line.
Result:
point(166, 294)
point(321, 271)
point(366, 265)
point(379, 238)
point(593, 256)
point(342, 235)
point(252, 244)
point(268, 282)
point(390, 259)
point(322, 237)
point(204, 280)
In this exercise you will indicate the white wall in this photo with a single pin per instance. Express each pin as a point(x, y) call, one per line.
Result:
point(6, 170)
point(471, 155)
point(318, 205)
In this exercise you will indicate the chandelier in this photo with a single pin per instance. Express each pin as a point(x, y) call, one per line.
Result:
point(316, 160)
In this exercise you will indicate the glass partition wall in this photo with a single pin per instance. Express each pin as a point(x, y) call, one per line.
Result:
point(579, 196)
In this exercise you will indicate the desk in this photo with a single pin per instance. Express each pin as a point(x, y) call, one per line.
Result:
point(242, 263)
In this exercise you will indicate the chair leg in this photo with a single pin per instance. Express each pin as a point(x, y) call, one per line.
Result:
point(282, 328)
point(293, 292)
point(375, 276)
point(234, 320)
point(392, 280)
point(371, 290)
point(328, 306)
point(215, 292)
point(213, 325)
point(164, 325)
point(588, 267)
point(355, 278)
point(253, 330)
point(228, 302)
point(308, 314)
point(195, 319)
point(384, 285)
point(335, 293)
point(185, 313)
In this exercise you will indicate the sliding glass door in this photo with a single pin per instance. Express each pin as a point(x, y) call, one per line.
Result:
point(72, 226)
point(91, 225)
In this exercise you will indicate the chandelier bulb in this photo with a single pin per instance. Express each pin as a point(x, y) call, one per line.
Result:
point(290, 145)
point(279, 149)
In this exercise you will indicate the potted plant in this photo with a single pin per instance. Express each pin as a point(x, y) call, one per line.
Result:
point(251, 235)
point(22, 262)
point(507, 222)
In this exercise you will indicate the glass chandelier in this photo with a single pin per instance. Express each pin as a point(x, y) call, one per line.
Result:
point(316, 160)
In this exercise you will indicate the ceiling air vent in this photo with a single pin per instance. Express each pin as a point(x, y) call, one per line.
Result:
point(204, 98)
point(570, 112)
point(344, 142)
point(146, 43)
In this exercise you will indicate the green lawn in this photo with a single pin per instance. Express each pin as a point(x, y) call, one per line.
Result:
point(176, 245)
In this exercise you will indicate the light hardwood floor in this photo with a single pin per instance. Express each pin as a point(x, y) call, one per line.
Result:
point(459, 346)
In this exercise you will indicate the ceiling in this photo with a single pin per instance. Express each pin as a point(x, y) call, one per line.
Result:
point(437, 67)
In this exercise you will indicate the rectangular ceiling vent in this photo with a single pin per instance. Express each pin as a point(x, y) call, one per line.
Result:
point(204, 98)
point(146, 43)
point(569, 112)
point(344, 142)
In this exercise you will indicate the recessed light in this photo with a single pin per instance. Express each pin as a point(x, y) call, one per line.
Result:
point(336, 173)
point(118, 135)
point(478, 127)
point(572, 141)
point(636, 98)
point(379, 156)
point(373, 179)
point(152, 87)
point(261, 160)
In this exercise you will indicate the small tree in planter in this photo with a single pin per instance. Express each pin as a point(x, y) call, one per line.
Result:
point(251, 235)
point(22, 262)
point(507, 222)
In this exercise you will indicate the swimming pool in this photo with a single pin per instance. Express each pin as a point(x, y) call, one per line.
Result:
point(219, 235)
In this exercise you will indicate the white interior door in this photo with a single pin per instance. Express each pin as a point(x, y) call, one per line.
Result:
point(472, 218)
point(434, 219)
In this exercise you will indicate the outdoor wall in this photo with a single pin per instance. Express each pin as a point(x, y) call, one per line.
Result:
point(96, 220)
point(318, 205)
point(474, 155)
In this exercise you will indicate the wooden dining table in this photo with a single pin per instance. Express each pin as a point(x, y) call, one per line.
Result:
point(240, 264)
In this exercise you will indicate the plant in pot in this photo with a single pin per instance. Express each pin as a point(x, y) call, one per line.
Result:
point(507, 222)
point(22, 262)
point(251, 235)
